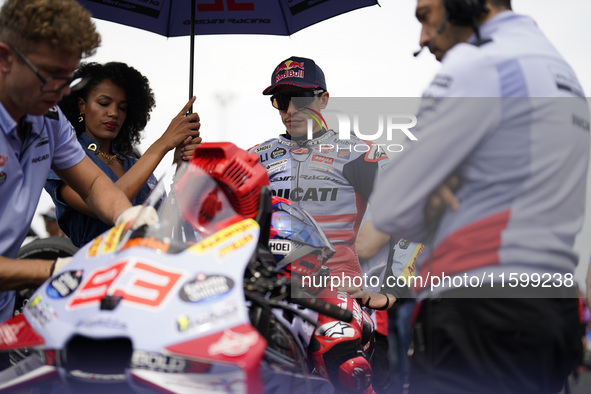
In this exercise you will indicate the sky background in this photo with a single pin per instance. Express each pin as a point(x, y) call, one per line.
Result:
point(364, 53)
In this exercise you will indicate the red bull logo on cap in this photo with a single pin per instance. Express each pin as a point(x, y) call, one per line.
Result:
point(287, 70)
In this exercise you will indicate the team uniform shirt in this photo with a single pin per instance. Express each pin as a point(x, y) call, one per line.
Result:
point(24, 166)
point(81, 228)
point(520, 147)
point(331, 179)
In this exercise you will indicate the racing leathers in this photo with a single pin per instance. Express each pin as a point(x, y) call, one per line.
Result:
point(329, 178)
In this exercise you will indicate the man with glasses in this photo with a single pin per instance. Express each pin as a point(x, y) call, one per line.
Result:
point(41, 43)
point(331, 180)
point(506, 120)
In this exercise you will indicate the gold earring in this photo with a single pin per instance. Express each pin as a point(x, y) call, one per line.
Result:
point(81, 118)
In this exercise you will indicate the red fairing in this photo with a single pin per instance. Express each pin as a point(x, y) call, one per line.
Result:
point(241, 345)
point(16, 333)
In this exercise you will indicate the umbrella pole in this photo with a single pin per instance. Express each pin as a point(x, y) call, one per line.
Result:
point(192, 52)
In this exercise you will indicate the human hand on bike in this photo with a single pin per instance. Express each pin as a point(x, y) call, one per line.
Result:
point(370, 299)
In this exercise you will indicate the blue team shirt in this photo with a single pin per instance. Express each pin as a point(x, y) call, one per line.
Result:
point(24, 166)
point(79, 227)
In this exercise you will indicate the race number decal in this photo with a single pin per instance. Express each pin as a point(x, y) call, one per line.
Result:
point(135, 282)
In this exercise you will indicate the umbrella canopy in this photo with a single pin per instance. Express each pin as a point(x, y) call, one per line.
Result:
point(174, 18)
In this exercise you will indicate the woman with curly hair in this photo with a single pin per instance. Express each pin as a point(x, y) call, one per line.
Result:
point(109, 112)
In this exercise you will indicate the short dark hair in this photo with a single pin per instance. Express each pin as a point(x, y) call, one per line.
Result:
point(140, 100)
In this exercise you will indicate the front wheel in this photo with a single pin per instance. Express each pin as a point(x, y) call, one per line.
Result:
point(47, 249)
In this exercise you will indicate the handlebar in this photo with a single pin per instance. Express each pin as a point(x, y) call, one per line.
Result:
point(267, 281)
point(321, 306)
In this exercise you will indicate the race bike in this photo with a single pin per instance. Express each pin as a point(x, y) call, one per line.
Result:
point(190, 302)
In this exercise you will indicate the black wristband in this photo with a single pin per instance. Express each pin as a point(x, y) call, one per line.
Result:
point(366, 304)
point(383, 308)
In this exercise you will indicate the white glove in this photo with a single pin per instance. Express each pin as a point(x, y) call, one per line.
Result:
point(140, 215)
point(59, 265)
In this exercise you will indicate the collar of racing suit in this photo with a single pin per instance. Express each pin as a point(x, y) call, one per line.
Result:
point(317, 134)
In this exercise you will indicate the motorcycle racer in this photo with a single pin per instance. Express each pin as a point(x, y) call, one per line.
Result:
point(330, 178)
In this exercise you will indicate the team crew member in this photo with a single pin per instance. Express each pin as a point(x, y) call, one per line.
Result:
point(41, 43)
point(521, 163)
point(328, 178)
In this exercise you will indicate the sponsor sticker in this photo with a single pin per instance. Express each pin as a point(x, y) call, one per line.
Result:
point(320, 168)
point(94, 247)
point(64, 284)
point(323, 159)
point(276, 164)
point(41, 311)
point(376, 153)
point(103, 322)
point(9, 332)
point(262, 148)
point(223, 235)
point(150, 242)
point(97, 377)
point(276, 170)
point(299, 151)
point(403, 244)
point(278, 152)
point(40, 158)
point(236, 245)
point(280, 246)
point(337, 329)
point(344, 154)
point(157, 362)
point(112, 238)
point(208, 318)
point(206, 288)
point(233, 344)
point(288, 70)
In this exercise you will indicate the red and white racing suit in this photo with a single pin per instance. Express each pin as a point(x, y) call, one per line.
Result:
point(329, 178)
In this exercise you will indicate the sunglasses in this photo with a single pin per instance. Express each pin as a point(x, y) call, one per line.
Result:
point(305, 98)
